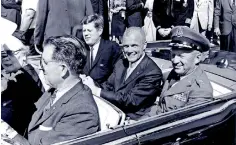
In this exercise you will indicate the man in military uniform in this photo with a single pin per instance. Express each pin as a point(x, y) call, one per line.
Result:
point(187, 83)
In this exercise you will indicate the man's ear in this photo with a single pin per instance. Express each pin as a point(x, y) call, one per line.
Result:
point(65, 72)
point(145, 45)
point(100, 31)
point(198, 57)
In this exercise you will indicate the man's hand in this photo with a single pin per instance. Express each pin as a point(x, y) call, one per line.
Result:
point(121, 8)
point(9, 61)
point(209, 28)
point(90, 83)
point(167, 31)
point(162, 32)
point(217, 31)
point(188, 21)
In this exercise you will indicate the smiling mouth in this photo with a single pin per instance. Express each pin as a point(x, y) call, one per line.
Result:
point(131, 53)
point(176, 66)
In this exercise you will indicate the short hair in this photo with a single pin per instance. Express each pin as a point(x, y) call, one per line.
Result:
point(138, 31)
point(97, 19)
point(69, 50)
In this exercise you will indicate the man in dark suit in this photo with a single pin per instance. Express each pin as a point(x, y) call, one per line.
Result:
point(67, 110)
point(225, 11)
point(135, 82)
point(102, 54)
point(187, 83)
point(134, 10)
point(59, 17)
point(170, 13)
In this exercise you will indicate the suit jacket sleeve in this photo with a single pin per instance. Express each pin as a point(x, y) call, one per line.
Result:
point(217, 13)
point(148, 86)
point(210, 13)
point(108, 85)
point(156, 14)
point(41, 20)
point(76, 122)
point(89, 7)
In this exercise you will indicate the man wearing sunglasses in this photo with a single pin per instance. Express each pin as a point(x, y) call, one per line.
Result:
point(67, 110)
point(187, 83)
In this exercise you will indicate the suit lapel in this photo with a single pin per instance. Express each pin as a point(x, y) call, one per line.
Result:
point(63, 100)
point(99, 53)
point(120, 74)
point(40, 105)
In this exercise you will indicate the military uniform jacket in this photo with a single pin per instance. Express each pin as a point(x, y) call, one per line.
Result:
point(194, 88)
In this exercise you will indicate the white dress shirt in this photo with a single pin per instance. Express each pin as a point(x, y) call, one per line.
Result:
point(65, 88)
point(133, 66)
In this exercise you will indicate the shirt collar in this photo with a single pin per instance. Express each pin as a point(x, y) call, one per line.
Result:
point(65, 88)
point(135, 64)
point(96, 45)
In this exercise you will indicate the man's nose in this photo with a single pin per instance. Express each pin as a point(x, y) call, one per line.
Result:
point(175, 59)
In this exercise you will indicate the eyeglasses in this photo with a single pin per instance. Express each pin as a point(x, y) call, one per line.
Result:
point(46, 63)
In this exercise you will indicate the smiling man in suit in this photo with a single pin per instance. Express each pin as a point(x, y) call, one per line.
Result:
point(135, 81)
point(67, 110)
point(102, 54)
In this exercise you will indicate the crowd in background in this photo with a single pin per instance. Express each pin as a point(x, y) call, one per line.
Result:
point(97, 48)
point(38, 20)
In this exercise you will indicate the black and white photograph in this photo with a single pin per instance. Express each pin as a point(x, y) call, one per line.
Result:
point(118, 72)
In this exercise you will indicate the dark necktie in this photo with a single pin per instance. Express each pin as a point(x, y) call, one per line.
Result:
point(91, 57)
point(51, 99)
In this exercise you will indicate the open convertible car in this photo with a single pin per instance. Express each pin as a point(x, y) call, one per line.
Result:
point(204, 123)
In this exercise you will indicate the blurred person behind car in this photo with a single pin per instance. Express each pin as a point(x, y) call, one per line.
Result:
point(59, 17)
point(10, 10)
point(149, 27)
point(118, 24)
point(225, 11)
point(170, 13)
point(202, 19)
